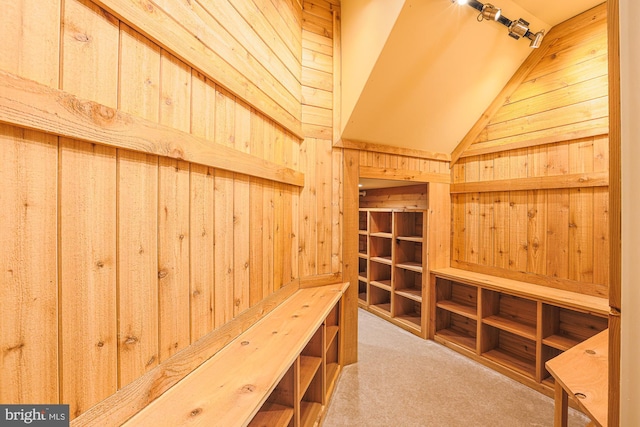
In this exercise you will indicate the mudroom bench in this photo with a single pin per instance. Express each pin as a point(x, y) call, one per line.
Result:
point(279, 372)
point(511, 326)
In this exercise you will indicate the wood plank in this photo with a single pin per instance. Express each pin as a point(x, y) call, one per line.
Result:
point(90, 38)
point(349, 337)
point(577, 180)
point(337, 210)
point(205, 394)
point(386, 149)
point(87, 274)
point(137, 265)
point(28, 104)
point(33, 27)
point(256, 215)
point(118, 408)
point(241, 212)
point(139, 86)
point(286, 18)
point(214, 60)
point(403, 175)
point(513, 83)
point(518, 215)
point(324, 197)
point(308, 240)
point(173, 256)
point(29, 263)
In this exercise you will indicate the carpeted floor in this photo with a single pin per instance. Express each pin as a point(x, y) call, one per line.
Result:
point(402, 380)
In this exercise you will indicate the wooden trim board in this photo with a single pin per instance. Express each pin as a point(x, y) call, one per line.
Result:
point(31, 105)
point(577, 180)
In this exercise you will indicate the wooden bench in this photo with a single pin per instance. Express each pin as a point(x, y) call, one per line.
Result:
point(582, 372)
point(512, 326)
point(262, 375)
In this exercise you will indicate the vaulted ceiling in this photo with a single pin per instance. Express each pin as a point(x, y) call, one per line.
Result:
point(419, 73)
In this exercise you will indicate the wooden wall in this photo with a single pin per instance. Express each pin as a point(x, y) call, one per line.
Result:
point(118, 255)
point(530, 194)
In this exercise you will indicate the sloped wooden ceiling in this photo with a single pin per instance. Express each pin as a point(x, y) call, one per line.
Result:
point(437, 70)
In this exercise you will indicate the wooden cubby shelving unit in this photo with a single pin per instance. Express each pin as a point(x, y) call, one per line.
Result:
point(392, 258)
point(304, 391)
point(512, 328)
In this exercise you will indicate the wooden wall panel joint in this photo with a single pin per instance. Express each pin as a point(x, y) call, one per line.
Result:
point(31, 105)
point(578, 180)
point(403, 175)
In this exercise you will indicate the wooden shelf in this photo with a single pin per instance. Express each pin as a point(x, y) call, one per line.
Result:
point(457, 337)
point(509, 325)
point(382, 260)
point(385, 284)
point(309, 413)
point(332, 373)
point(413, 266)
point(384, 308)
point(560, 342)
point(272, 415)
point(412, 321)
point(464, 310)
point(332, 332)
point(512, 361)
point(381, 234)
point(415, 239)
point(413, 294)
point(308, 368)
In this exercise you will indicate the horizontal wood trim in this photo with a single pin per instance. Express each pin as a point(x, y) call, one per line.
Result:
point(590, 289)
point(320, 280)
point(403, 175)
point(577, 180)
point(196, 50)
point(121, 406)
point(388, 149)
point(31, 105)
point(565, 133)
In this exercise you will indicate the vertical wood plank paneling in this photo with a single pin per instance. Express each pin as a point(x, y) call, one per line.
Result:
point(324, 196)
point(581, 215)
point(293, 214)
point(139, 85)
point(173, 256)
point(518, 219)
point(137, 265)
point(268, 213)
point(223, 216)
point(256, 218)
point(486, 230)
point(201, 220)
point(501, 214)
point(35, 54)
point(601, 239)
point(173, 213)
point(558, 214)
point(309, 208)
point(139, 94)
point(28, 267)
point(87, 251)
point(537, 214)
point(28, 235)
point(337, 211)
point(279, 155)
point(472, 215)
point(459, 214)
point(241, 225)
point(90, 52)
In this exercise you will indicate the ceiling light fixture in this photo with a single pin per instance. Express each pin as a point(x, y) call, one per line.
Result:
point(517, 29)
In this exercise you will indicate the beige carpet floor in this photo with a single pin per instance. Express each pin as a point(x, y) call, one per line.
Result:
point(402, 380)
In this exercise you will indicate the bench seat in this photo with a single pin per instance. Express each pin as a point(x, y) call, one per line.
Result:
point(230, 388)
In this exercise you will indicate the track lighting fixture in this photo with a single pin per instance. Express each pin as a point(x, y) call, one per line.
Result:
point(517, 29)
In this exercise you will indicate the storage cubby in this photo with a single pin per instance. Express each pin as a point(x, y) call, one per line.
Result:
point(457, 298)
point(408, 255)
point(362, 245)
point(410, 225)
point(509, 313)
point(311, 393)
point(455, 328)
point(363, 221)
point(362, 268)
point(332, 348)
point(380, 222)
point(565, 328)
point(510, 350)
point(408, 284)
point(278, 410)
point(362, 291)
point(380, 275)
point(408, 310)
point(380, 298)
point(380, 249)
point(396, 255)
